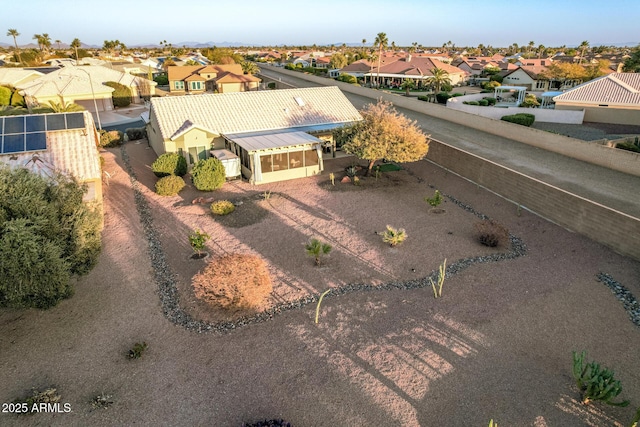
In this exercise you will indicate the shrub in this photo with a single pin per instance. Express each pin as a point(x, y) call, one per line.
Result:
point(435, 200)
point(49, 395)
point(520, 119)
point(471, 102)
point(133, 134)
point(595, 383)
point(315, 248)
point(197, 240)
point(496, 78)
point(628, 146)
point(111, 138)
point(121, 94)
point(222, 207)
point(490, 85)
point(102, 400)
point(162, 80)
point(169, 185)
point(394, 236)
point(457, 94)
point(530, 101)
point(271, 85)
point(491, 233)
point(208, 175)
point(423, 98)
point(169, 164)
point(137, 350)
point(442, 97)
point(490, 100)
point(483, 102)
point(47, 235)
point(234, 281)
point(347, 78)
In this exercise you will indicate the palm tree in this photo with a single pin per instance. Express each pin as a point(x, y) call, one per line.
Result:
point(583, 47)
point(440, 78)
point(75, 44)
point(63, 107)
point(407, 85)
point(316, 249)
point(249, 67)
point(58, 43)
point(364, 42)
point(14, 33)
point(541, 49)
point(381, 41)
point(46, 41)
point(531, 44)
point(38, 38)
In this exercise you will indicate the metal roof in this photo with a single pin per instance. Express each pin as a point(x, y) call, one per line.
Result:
point(256, 141)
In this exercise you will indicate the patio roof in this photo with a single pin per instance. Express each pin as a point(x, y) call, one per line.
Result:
point(256, 141)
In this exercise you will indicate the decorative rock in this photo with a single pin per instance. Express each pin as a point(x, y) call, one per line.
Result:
point(345, 180)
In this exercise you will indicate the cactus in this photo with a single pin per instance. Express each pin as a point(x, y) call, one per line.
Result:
point(595, 383)
point(441, 273)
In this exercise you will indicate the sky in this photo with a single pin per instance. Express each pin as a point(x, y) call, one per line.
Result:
point(495, 23)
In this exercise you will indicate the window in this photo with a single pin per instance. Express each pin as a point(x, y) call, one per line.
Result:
point(265, 163)
point(296, 159)
point(280, 161)
point(195, 85)
point(179, 85)
point(311, 157)
point(541, 84)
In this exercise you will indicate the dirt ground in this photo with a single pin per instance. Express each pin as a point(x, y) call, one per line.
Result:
point(497, 345)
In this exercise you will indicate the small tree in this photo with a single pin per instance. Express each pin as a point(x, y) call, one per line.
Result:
point(197, 240)
point(315, 248)
point(394, 236)
point(383, 134)
point(407, 85)
point(121, 94)
point(435, 200)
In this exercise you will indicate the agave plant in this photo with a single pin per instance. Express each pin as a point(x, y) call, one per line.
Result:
point(317, 249)
point(595, 383)
point(394, 236)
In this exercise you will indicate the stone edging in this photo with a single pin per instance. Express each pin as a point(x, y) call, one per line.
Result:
point(170, 300)
point(624, 295)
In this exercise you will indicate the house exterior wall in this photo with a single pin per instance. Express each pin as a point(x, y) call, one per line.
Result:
point(519, 78)
point(596, 114)
point(154, 136)
point(291, 172)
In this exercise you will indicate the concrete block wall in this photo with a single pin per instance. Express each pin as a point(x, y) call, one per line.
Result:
point(620, 160)
point(612, 228)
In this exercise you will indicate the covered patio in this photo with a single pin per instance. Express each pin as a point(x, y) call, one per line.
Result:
point(272, 156)
point(509, 96)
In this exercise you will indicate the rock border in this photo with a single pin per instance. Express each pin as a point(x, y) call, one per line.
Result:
point(624, 295)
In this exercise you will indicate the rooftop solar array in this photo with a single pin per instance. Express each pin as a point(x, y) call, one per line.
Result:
point(19, 134)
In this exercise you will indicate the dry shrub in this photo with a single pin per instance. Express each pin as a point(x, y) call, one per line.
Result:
point(234, 281)
point(492, 234)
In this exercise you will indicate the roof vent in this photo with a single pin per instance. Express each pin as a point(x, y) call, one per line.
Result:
point(299, 101)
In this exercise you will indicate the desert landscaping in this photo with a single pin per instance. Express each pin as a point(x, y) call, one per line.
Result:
point(497, 344)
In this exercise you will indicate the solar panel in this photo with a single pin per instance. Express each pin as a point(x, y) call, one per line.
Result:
point(36, 141)
point(13, 144)
point(55, 122)
point(75, 121)
point(14, 124)
point(35, 123)
point(1, 125)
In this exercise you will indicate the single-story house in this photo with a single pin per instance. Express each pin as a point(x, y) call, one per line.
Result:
point(210, 78)
point(614, 98)
point(83, 85)
point(276, 134)
point(16, 76)
point(529, 76)
point(418, 69)
point(50, 143)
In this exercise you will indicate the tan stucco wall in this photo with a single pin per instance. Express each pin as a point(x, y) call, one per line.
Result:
point(230, 87)
point(615, 229)
point(268, 177)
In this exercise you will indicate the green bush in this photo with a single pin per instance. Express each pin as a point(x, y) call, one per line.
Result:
point(496, 78)
point(47, 235)
point(483, 102)
point(490, 85)
point(442, 97)
point(161, 80)
point(490, 100)
point(121, 94)
point(271, 85)
point(208, 175)
point(530, 101)
point(628, 146)
point(133, 134)
point(111, 138)
point(594, 382)
point(423, 98)
point(471, 102)
point(520, 119)
point(5, 95)
point(347, 78)
point(10, 96)
point(457, 94)
point(222, 207)
point(169, 185)
point(169, 164)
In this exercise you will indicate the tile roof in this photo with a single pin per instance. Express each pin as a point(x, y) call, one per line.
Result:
point(13, 76)
point(71, 151)
point(253, 111)
point(622, 89)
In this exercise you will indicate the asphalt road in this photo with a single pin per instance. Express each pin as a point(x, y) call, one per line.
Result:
point(617, 190)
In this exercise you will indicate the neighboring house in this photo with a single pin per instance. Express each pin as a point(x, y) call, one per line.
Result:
point(530, 77)
point(418, 69)
point(50, 143)
point(210, 78)
point(84, 84)
point(614, 98)
point(16, 76)
point(277, 134)
point(358, 69)
point(323, 62)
